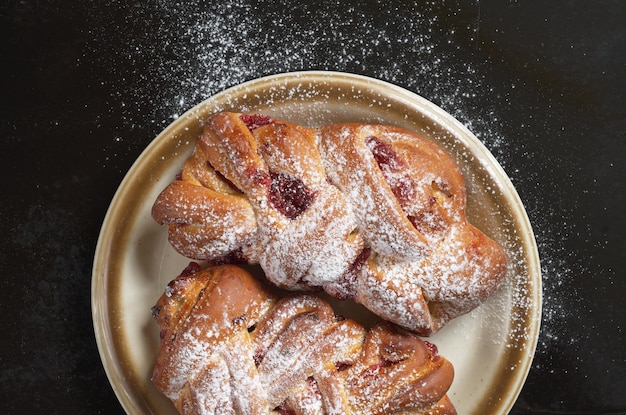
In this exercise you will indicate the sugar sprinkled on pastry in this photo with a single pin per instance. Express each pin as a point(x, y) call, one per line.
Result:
point(370, 213)
point(230, 345)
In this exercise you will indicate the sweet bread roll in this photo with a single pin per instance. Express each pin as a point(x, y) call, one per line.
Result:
point(231, 346)
point(371, 213)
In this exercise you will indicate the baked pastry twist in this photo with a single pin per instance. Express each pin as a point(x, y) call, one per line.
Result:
point(371, 213)
point(231, 346)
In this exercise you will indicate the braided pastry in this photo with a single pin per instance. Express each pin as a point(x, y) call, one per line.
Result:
point(231, 346)
point(371, 213)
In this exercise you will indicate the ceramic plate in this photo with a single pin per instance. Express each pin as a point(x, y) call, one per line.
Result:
point(491, 348)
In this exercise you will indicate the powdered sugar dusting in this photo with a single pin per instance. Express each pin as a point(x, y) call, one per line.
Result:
point(212, 47)
point(351, 167)
point(204, 48)
point(294, 354)
point(406, 280)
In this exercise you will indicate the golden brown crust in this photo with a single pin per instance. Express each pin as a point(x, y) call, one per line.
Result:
point(228, 342)
point(372, 213)
point(352, 168)
point(203, 223)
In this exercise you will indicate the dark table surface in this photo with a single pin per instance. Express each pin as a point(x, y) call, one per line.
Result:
point(87, 85)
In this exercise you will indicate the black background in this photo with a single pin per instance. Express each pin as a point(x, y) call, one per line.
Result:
point(87, 85)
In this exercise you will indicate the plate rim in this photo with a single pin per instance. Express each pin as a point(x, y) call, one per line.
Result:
point(100, 268)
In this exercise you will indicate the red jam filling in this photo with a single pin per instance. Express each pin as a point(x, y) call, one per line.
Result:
point(258, 357)
point(285, 409)
point(373, 369)
point(255, 121)
point(233, 257)
point(341, 366)
point(190, 269)
point(383, 153)
point(289, 195)
point(346, 289)
point(360, 260)
point(391, 165)
point(434, 352)
point(258, 176)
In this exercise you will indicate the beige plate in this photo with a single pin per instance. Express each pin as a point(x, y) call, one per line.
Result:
point(491, 348)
